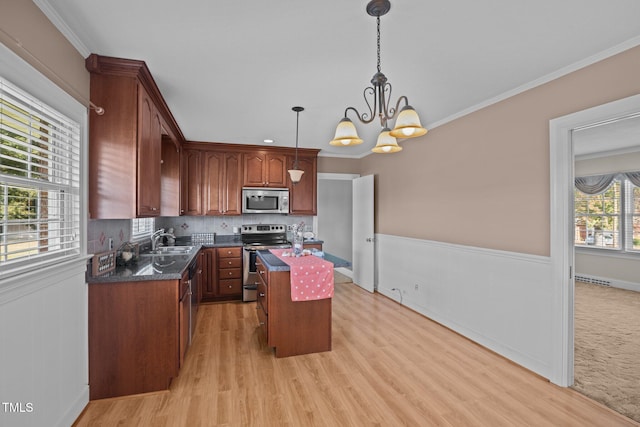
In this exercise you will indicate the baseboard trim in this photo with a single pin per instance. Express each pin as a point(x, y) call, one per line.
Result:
point(604, 281)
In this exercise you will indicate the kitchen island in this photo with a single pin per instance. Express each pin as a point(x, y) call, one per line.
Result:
point(291, 327)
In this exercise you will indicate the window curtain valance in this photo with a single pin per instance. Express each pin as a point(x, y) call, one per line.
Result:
point(597, 184)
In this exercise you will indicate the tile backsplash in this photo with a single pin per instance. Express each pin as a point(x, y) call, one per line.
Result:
point(99, 231)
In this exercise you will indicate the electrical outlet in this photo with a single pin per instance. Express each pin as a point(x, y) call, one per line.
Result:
point(416, 287)
point(110, 243)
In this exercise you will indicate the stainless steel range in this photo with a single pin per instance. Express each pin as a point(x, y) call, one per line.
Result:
point(257, 237)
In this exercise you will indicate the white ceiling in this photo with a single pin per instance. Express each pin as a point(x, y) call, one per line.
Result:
point(231, 70)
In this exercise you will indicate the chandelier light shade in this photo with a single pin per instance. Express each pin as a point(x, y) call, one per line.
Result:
point(346, 134)
point(296, 174)
point(386, 143)
point(408, 123)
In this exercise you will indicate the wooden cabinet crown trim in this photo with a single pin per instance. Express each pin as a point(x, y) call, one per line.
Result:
point(98, 64)
point(248, 148)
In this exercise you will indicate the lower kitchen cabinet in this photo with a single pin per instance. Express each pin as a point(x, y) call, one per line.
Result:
point(138, 335)
point(223, 274)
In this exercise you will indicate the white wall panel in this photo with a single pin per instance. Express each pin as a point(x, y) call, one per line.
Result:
point(44, 350)
point(501, 300)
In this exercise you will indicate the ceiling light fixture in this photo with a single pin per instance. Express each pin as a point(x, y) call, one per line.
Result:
point(295, 173)
point(408, 123)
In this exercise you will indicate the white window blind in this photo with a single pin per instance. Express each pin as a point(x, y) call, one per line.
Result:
point(141, 228)
point(39, 179)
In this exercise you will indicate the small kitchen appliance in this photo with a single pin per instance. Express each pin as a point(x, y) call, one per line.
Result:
point(265, 200)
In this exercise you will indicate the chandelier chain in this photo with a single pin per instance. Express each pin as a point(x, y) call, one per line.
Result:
point(378, 22)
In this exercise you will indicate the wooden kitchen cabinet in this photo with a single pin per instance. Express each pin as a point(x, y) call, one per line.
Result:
point(264, 169)
point(224, 278)
point(291, 327)
point(137, 336)
point(191, 182)
point(125, 143)
point(209, 274)
point(303, 197)
point(221, 183)
point(211, 182)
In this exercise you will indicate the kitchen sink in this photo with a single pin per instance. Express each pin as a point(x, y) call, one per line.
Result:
point(170, 250)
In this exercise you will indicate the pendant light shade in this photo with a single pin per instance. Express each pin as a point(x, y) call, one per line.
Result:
point(346, 134)
point(408, 124)
point(386, 143)
point(295, 173)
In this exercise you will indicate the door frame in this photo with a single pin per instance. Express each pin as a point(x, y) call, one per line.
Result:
point(561, 227)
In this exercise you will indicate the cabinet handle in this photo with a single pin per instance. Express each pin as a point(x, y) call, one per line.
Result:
point(262, 294)
point(230, 273)
point(261, 323)
point(230, 286)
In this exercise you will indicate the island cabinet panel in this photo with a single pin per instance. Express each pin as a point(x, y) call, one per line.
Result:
point(134, 337)
point(303, 198)
point(293, 328)
point(125, 143)
point(263, 169)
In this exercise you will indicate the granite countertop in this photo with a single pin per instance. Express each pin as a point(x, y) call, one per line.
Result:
point(273, 263)
point(161, 267)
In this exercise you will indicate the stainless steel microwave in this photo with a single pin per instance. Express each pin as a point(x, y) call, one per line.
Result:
point(265, 200)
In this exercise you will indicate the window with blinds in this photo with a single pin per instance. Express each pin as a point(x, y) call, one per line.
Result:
point(39, 180)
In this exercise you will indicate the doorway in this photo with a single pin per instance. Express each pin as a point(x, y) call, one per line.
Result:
point(562, 226)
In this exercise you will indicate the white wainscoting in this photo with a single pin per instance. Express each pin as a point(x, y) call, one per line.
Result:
point(43, 347)
point(501, 300)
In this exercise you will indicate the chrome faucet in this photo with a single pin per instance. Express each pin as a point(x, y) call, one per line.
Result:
point(156, 236)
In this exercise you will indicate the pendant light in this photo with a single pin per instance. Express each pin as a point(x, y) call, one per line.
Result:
point(387, 143)
point(408, 123)
point(295, 173)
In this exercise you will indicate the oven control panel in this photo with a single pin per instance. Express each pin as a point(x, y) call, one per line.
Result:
point(263, 228)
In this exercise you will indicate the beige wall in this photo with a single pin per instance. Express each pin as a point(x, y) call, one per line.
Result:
point(338, 165)
point(45, 48)
point(483, 180)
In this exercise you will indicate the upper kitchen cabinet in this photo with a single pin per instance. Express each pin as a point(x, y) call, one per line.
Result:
point(264, 169)
point(126, 143)
point(303, 198)
point(222, 173)
point(211, 180)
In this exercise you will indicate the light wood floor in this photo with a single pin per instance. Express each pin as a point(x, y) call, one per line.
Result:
point(389, 367)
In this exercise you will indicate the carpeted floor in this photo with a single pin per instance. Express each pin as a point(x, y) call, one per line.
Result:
point(607, 347)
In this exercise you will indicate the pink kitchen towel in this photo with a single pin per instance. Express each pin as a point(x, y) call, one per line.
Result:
point(311, 276)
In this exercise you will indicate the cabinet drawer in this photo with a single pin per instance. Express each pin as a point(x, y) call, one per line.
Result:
point(229, 262)
point(262, 271)
point(262, 321)
point(235, 252)
point(229, 273)
point(261, 297)
point(230, 287)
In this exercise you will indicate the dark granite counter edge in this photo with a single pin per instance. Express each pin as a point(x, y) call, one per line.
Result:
point(132, 273)
point(273, 263)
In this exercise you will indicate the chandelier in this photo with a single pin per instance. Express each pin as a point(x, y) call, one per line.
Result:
point(295, 173)
point(407, 124)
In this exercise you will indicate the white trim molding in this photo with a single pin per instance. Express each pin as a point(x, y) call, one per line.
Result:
point(561, 239)
point(498, 299)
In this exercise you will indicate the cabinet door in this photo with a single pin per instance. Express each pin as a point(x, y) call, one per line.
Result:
point(303, 195)
point(253, 170)
point(213, 182)
point(232, 184)
point(210, 285)
point(191, 185)
point(149, 156)
point(184, 319)
point(276, 170)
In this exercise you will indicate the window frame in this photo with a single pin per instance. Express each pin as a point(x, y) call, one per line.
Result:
point(625, 229)
point(22, 75)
